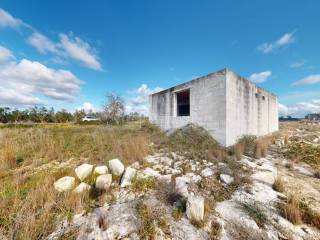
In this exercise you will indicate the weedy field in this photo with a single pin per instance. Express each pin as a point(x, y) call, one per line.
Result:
point(189, 161)
point(32, 158)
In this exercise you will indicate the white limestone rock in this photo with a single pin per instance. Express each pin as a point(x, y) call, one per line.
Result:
point(64, 184)
point(83, 171)
point(182, 184)
point(227, 179)
point(82, 187)
point(207, 172)
point(101, 170)
point(104, 181)
point(151, 173)
point(195, 208)
point(183, 229)
point(128, 176)
point(116, 167)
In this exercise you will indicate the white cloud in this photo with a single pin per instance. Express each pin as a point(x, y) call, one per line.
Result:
point(300, 109)
point(79, 50)
point(298, 64)
point(260, 77)
point(42, 43)
point(7, 20)
point(5, 54)
point(138, 100)
point(87, 107)
point(311, 79)
point(286, 39)
point(69, 46)
point(24, 83)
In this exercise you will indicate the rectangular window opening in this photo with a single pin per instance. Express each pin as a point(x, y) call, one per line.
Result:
point(183, 103)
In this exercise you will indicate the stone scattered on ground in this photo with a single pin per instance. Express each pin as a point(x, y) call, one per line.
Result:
point(128, 175)
point(104, 181)
point(195, 208)
point(64, 184)
point(101, 170)
point(207, 172)
point(82, 187)
point(83, 171)
point(116, 167)
point(183, 180)
point(227, 179)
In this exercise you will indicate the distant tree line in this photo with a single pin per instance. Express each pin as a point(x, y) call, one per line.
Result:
point(113, 112)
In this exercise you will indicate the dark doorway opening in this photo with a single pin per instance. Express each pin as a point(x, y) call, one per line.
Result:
point(183, 103)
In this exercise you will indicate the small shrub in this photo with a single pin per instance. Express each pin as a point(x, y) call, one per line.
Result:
point(147, 229)
point(278, 184)
point(142, 184)
point(299, 151)
point(177, 213)
point(195, 143)
point(256, 213)
point(215, 231)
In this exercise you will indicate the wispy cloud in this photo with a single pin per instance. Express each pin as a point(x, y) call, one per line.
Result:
point(138, 99)
point(300, 109)
point(79, 50)
point(68, 46)
point(311, 79)
point(298, 64)
point(284, 40)
point(7, 20)
point(22, 83)
point(42, 43)
point(260, 77)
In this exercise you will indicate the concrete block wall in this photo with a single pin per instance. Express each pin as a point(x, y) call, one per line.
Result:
point(224, 103)
point(207, 105)
point(250, 109)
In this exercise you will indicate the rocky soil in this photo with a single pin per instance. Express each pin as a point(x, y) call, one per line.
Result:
point(172, 197)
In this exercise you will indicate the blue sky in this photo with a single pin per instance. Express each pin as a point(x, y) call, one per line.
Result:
point(69, 54)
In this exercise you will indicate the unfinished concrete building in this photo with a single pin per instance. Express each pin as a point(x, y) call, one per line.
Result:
point(224, 103)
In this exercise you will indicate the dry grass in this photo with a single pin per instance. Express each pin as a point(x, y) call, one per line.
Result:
point(278, 184)
point(252, 146)
point(291, 210)
point(8, 159)
point(297, 212)
point(215, 231)
point(29, 205)
point(29, 209)
point(241, 232)
point(97, 143)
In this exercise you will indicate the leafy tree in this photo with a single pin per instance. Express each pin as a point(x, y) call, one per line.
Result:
point(78, 115)
point(63, 116)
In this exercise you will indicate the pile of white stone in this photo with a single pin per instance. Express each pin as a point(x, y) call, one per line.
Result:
point(103, 179)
